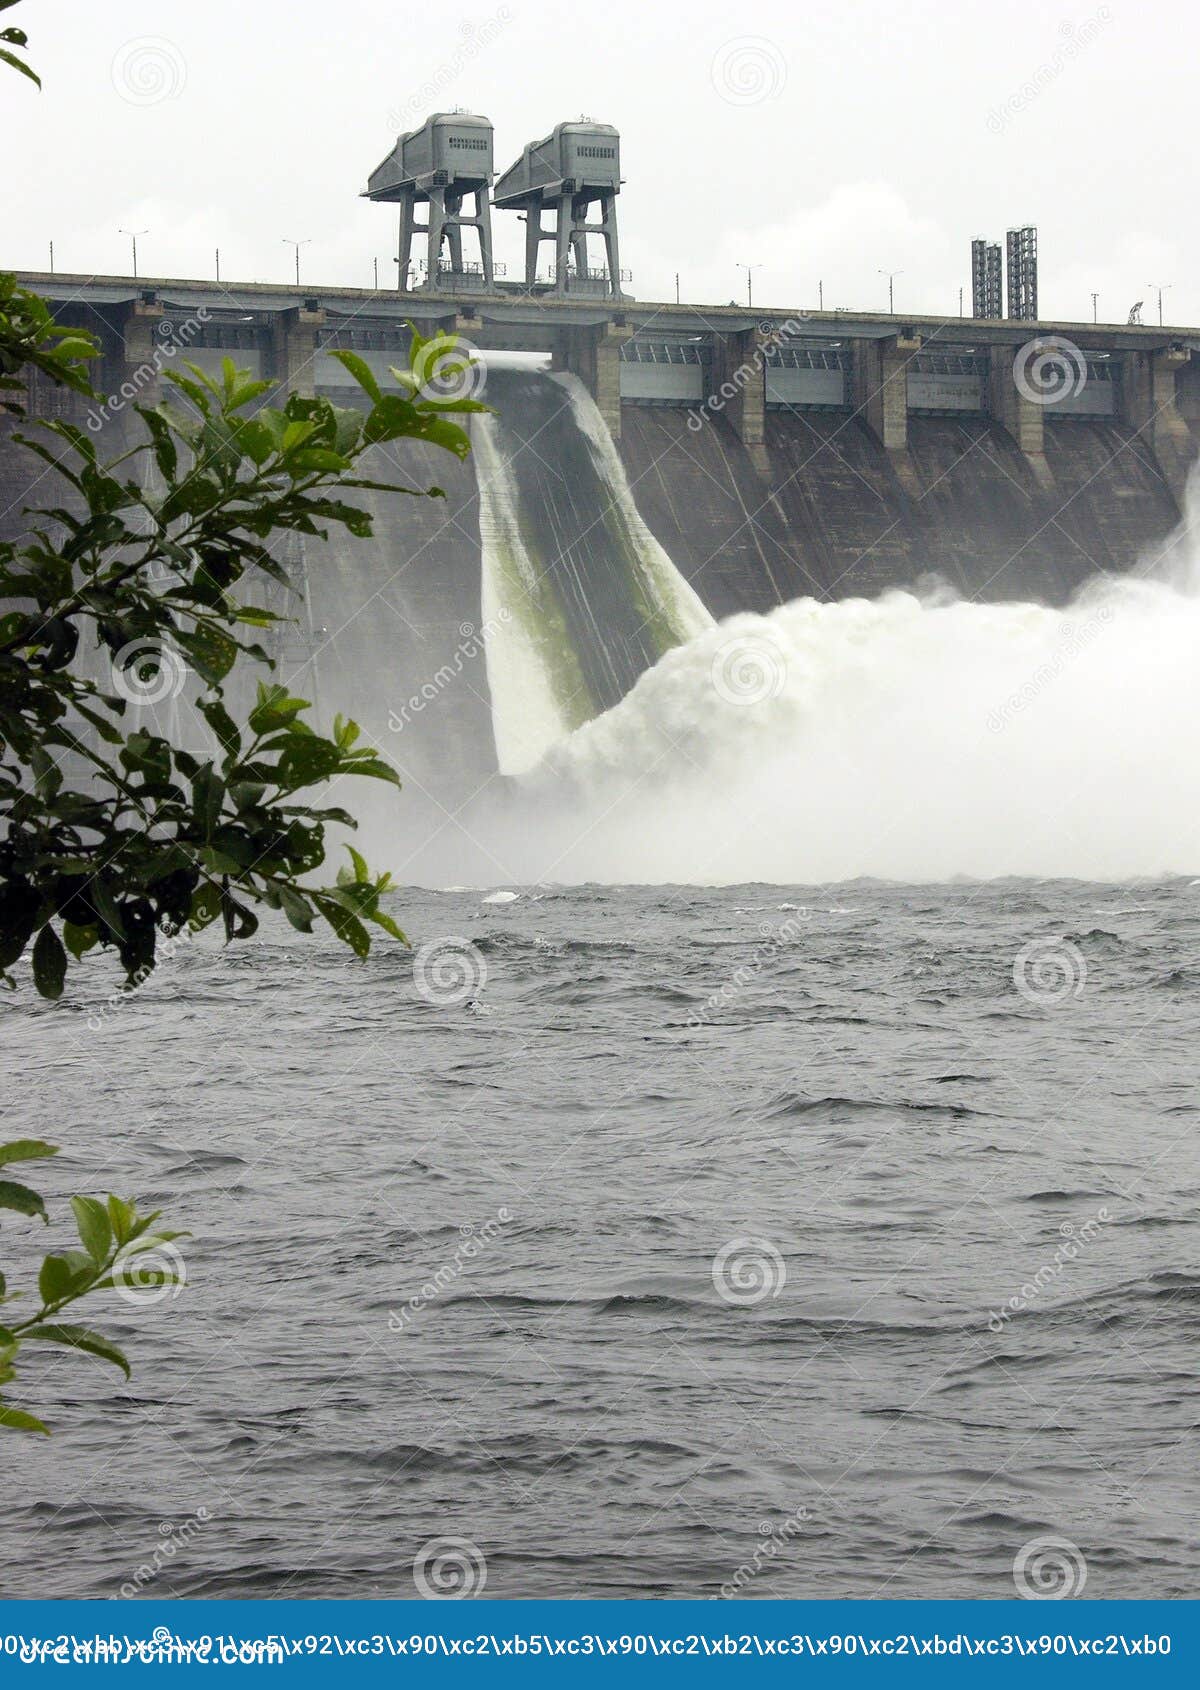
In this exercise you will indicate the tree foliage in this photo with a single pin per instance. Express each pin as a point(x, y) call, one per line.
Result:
point(15, 38)
point(119, 1253)
point(148, 836)
point(111, 834)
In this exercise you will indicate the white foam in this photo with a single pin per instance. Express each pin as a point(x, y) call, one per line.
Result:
point(903, 738)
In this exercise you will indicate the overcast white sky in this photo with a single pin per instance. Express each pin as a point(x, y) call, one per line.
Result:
point(826, 141)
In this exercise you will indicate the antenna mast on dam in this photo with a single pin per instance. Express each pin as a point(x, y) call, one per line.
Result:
point(576, 166)
point(438, 165)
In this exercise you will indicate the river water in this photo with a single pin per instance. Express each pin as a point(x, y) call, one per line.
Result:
point(661, 1241)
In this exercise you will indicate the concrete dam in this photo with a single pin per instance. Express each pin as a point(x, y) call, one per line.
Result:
point(671, 466)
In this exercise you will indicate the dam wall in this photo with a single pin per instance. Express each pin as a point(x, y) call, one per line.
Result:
point(822, 509)
point(703, 463)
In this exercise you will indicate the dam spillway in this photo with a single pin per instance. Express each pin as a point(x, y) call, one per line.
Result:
point(632, 508)
point(580, 598)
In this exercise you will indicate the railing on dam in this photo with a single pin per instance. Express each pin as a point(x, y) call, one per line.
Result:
point(725, 362)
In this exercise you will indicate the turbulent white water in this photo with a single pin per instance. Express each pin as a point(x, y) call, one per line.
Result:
point(903, 738)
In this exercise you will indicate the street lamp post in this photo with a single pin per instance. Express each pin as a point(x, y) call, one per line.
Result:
point(133, 236)
point(297, 244)
point(1160, 289)
point(891, 276)
point(750, 269)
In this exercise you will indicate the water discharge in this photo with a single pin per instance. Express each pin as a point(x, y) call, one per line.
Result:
point(578, 596)
point(913, 737)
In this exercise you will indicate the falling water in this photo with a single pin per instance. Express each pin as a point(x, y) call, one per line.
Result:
point(579, 598)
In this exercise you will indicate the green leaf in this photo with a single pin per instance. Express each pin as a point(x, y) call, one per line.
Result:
point(49, 963)
point(20, 1198)
point(347, 927)
point(162, 441)
point(122, 1218)
point(296, 909)
point(208, 798)
point(106, 907)
point(206, 905)
point(389, 926)
point(295, 433)
point(91, 1217)
point(438, 432)
point(362, 373)
point(221, 723)
point(374, 767)
point(212, 651)
point(15, 1418)
point(146, 1279)
point(317, 458)
point(274, 709)
point(78, 1338)
point(307, 760)
point(256, 440)
point(79, 939)
point(19, 64)
point(26, 1150)
point(55, 1281)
